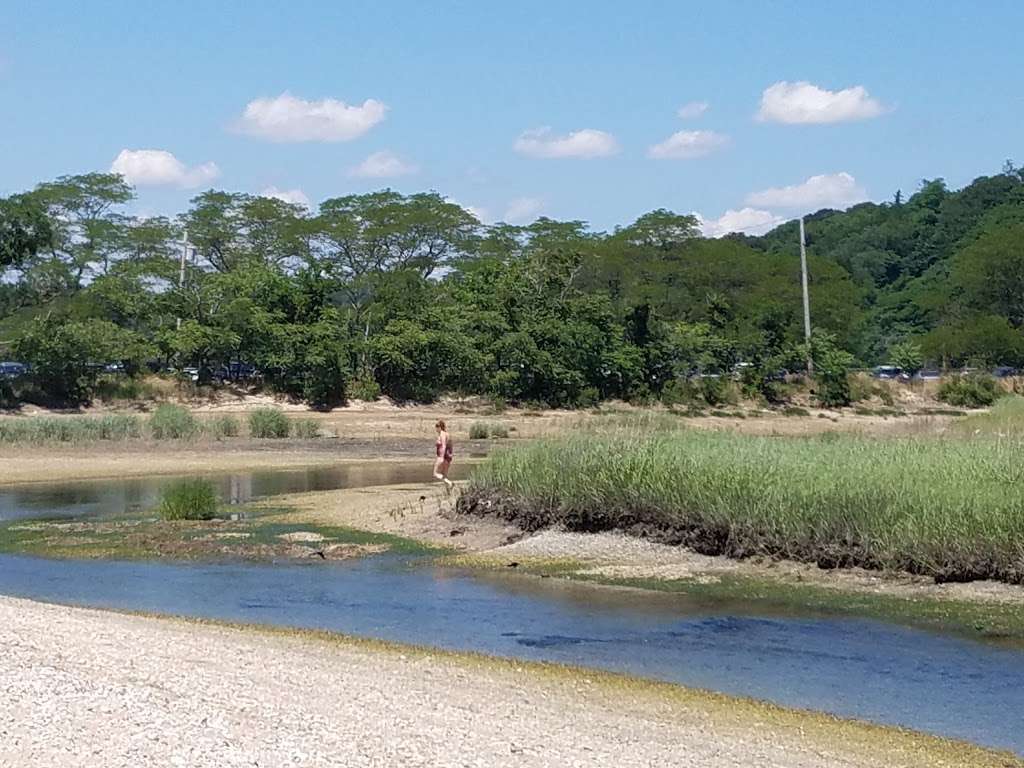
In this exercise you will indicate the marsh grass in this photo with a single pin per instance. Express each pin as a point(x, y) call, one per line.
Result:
point(949, 509)
point(268, 423)
point(305, 429)
point(221, 427)
point(173, 422)
point(1005, 419)
point(192, 499)
point(69, 429)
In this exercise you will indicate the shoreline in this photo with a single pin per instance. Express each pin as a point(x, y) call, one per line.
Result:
point(410, 686)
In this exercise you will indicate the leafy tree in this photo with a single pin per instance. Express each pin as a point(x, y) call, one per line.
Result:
point(86, 227)
point(907, 356)
point(831, 370)
point(24, 230)
point(68, 357)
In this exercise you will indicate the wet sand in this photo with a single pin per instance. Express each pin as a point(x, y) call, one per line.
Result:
point(86, 688)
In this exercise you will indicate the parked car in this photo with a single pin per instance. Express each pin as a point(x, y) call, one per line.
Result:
point(12, 370)
point(1004, 371)
point(235, 371)
point(886, 372)
point(928, 374)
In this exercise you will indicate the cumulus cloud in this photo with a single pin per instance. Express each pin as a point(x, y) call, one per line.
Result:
point(291, 119)
point(523, 210)
point(158, 167)
point(692, 109)
point(805, 103)
point(382, 165)
point(586, 143)
point(750, 221)
point(293, 196)
point(831, 190)
point(686, 145)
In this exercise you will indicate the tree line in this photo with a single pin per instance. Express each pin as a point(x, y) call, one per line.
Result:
point(411, 296)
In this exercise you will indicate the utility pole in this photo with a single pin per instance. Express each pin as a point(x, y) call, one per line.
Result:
point(807, 298)
point(181, 268)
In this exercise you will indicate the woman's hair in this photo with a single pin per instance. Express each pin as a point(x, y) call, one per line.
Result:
point(441, 425)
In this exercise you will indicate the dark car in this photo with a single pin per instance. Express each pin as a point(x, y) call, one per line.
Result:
point(1004, 371)
point(886, 372)
point(11, 370)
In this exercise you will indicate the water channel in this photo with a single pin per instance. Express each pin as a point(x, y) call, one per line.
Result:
point(850, 667)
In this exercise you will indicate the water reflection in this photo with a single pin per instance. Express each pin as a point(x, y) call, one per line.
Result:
point(119, 496)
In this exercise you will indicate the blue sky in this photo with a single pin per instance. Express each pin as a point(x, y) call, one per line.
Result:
point(859, 98)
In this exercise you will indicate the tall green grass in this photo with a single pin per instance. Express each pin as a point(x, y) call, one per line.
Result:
point(172, 422)
point(168, 422)
point(950, 509)
point(192, 499)
point(268, 423)
point(69, 429)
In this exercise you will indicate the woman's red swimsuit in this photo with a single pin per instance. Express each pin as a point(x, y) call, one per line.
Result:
point(447, 449)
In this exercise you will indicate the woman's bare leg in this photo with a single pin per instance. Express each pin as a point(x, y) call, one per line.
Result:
point(441, 472)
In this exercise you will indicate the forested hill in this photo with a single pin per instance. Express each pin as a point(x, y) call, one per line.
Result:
point(943, 267)
point(411, 295)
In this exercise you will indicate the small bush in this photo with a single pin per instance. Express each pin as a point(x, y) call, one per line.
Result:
point(479, 431)
point(364, 388)
point(189, 500)
point(172, 422)
point(678, 392)
point(268, 423)
point(976, 391)
point(306, 429)
point(222, 427)
point(499, 431)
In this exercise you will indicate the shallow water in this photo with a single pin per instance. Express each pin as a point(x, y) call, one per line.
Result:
point(856, 668)
point(115, 497)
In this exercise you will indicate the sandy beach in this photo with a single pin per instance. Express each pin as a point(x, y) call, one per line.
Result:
point(90, 688)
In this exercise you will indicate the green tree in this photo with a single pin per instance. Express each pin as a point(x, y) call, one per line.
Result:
point(25, 230)
point(68, 357)
point(907, 356)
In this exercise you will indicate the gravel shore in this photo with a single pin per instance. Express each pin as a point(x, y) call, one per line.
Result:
point(80, 687)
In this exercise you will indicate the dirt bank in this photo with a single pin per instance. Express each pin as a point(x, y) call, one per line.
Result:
point(87, 688)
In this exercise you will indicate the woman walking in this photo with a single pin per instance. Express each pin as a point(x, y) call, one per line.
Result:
point(444, 453)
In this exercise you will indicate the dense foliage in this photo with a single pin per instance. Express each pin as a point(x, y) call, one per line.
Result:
point(411, 296)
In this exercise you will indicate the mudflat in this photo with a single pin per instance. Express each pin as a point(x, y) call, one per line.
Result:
point(86, 688)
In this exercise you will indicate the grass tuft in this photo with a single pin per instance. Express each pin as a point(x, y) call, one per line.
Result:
point(172, 422)
point(268, 423)
point(191, 499)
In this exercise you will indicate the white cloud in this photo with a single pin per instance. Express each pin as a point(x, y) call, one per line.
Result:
point(158, 167)
point(831, 190)
point(382, 165)
point(482, 214)
point(586, 142)
point(522, 210)
point(747, 220)
point(692, 109)
point(293, 196)
point(805, 103)
point(287, 118)
point(686, 145)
